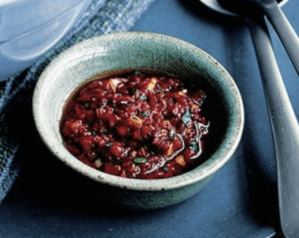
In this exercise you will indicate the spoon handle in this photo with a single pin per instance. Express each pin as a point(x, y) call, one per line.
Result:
point(285, 129)
point(284, 30)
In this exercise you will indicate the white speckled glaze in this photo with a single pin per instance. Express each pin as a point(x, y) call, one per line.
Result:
point(135, 50)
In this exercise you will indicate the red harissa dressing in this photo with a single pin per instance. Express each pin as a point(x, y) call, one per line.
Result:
point(136, 125)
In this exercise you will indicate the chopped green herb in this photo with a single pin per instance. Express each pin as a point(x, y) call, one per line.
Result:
point(137, 72)
point(94, 133)
point(186, 118)
point(146, 146)
point(140, 160)
point(144, 114)
point(143, 98)
point(172, 133)
point(109, 144)
point(165, 169)
point(194, 146)
point(86, 105)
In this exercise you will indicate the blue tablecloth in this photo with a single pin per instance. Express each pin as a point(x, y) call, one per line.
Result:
point(49, 200)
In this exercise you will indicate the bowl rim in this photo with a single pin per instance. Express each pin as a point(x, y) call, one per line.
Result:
point(200, 173)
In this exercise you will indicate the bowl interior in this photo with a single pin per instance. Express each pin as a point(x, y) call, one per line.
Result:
point(129, 51)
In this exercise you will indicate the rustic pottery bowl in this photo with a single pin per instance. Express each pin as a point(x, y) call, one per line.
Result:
point(136, 50)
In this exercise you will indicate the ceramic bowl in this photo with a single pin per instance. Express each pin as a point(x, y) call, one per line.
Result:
point(136, 50)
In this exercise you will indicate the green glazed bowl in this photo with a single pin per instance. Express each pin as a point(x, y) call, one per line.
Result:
point(137, 50)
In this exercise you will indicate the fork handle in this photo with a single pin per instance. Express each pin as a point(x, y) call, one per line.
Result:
point(285, 31)
point(285, 128)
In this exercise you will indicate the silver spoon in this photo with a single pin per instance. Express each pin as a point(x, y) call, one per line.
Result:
point(285, 128)
point(279, 21)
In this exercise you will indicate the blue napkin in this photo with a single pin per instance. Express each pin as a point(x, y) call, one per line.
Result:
point(103, 16)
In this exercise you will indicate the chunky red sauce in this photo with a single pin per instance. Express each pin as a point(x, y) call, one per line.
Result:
point(136, 125)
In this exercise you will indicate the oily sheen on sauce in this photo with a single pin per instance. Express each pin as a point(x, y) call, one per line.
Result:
point(137, 125)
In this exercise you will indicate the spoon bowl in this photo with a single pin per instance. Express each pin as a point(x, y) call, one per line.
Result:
point(216, 6)
point(271, 9)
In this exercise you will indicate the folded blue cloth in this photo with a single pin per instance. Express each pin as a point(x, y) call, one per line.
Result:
point(103, 16)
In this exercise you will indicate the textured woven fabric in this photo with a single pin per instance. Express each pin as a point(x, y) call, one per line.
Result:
point(103, 16)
